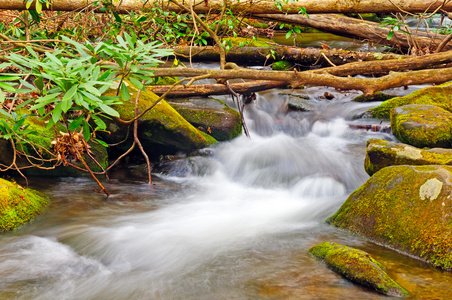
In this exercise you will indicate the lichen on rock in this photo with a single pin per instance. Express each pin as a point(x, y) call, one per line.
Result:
point(407, 208)
point(357, 266)
point(18, 205)
point(381, 154)
point(422, 126)
point(439, 95)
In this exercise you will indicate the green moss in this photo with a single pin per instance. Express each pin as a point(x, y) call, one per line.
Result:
point(258, 42)
point(422, 125)
point(397, 206)
point(436, 95)
point(165, 80)
point(378, 96)
point(282, 65)
point(357, 266)
point(18, 205)
point(222, 124)
point(162, 124)
point(254, 23)
point(381, 154)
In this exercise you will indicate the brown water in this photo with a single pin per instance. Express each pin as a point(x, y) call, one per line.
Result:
point(236, 225)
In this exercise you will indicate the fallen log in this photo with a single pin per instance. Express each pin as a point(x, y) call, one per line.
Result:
point(215, 89)
point(255, 7)
point(364, 30)
point(303, 56)
point(367, 85)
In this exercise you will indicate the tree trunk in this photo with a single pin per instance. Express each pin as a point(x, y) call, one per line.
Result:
point(257, 7)
point(303, 56)
point(216, 89)
point(364, 30)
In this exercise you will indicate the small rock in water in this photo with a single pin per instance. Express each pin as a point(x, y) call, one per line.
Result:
point(357, 266)
point(328, 96)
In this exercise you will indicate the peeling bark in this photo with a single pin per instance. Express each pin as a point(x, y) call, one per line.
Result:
point(257, 7)
point(216, 89)
point(304, 56)
point(363, 30)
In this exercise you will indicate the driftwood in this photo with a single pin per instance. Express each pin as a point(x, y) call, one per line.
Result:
point(303, 56)
point(216, 89)
point(364, 30)
point(256, 7)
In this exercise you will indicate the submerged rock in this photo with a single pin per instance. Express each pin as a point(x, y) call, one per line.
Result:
point(210, 115)
point(381, 154)
point(18, 205)
point(378, 96)
point(407, 208)
point(357, 266)
point(436, 95)
point(422, 126)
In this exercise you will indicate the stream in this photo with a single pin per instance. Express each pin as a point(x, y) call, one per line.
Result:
point(233, 225)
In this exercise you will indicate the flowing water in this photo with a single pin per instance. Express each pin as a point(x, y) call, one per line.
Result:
point(234, 225)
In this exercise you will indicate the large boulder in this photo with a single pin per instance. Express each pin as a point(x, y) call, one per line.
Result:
point(435, 95)
point(211, 116)
point(407, 208)
point(422, 125)
point(161, 130)
point(357, 266)
point(18, 205)
point(381, 154)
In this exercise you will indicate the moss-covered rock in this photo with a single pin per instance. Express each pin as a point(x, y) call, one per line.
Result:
point(422, 125)
point(162, 130)
point(436, 95)
point(407, 208)
point(357, 266)
point(282, 65)
point(381, 154)
point(378, 96)
point(18, 205)
point(211, 116)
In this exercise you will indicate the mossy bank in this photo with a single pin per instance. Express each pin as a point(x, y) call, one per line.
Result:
point(18, 205)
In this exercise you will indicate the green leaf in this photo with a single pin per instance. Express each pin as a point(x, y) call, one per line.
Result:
point(86, 131)
point(136, 83)
point(2, 97)
point(99, 122)
point(76, 123)
point(56, 113)
point(108, 110)
point(288, 34)
point(390, 34)
point(7, 87)
point(38, 7)
point(101, 142)
point(125, 95)
point(117, 17)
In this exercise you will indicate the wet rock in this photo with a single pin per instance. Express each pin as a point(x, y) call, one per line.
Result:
point(211, 116)
point(162, 130)
point(381, 154)
point(436, 95)
point(18, 205)
point(357, 266)
point(407, 208)
point(378, 96)
point(422, 125)
point(300, 103)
